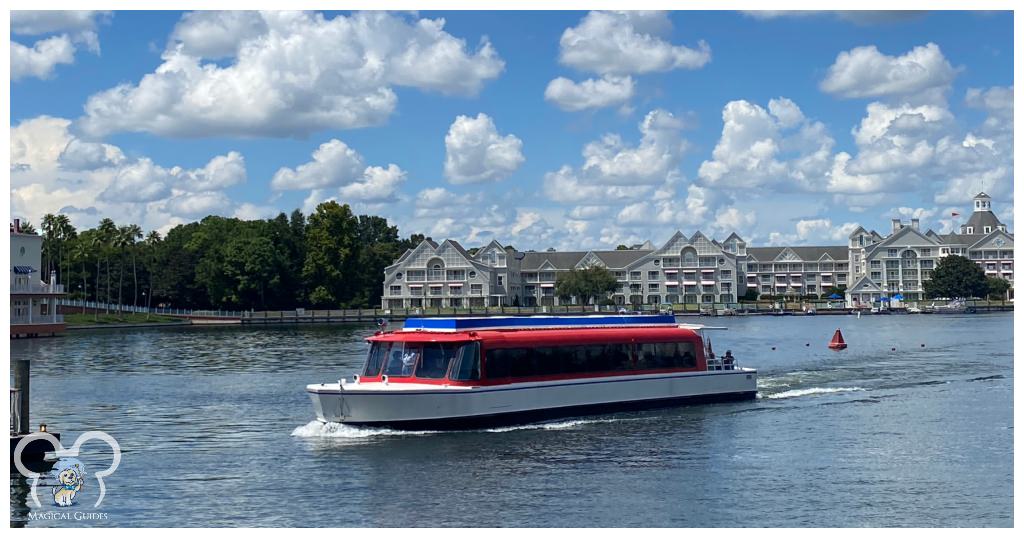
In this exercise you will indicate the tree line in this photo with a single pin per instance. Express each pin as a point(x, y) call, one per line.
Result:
point(330, 259)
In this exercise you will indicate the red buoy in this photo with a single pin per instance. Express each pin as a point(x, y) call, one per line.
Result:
point(837, 342)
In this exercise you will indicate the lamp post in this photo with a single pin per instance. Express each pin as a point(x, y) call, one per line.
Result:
point(147, 305)
point(83, 298)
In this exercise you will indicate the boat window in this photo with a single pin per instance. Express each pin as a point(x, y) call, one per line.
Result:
point(435, 360)
point(402, 359)
point(666, 355)
point(557, 360)
point(375, 359)
point(466, 366)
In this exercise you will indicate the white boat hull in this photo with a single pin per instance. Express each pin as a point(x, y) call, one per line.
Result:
point(430, 407)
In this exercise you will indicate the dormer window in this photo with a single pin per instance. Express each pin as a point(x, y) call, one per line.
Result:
point(970, 230)
point(988, 229)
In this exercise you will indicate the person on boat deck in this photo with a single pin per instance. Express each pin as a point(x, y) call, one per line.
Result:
point(728, 360)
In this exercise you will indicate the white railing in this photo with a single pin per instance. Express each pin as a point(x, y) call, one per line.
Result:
point(36, 287)
point(93, 305)
point(37, 319)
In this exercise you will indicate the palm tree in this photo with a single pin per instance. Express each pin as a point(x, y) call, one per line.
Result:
point(151, 244)
point(49, 226)
point(132, 234)
point(80, 252)
point(65, 232)
point(97, 246)
point(107, 233)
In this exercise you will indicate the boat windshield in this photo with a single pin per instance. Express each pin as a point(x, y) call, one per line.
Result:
point(427, 360)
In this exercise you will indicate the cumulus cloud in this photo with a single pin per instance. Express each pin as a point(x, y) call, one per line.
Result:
point(627, 42)
point(777, 147)
point(41, 58)
point(475, 152)
point(293, 74)
point(54, 171)
point(573, 96)
point(866, 72)
point(610, 161)
point(333, 164)
point(82, 155)
point(336, 165)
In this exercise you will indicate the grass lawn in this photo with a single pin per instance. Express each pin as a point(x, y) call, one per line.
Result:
point(113, 319)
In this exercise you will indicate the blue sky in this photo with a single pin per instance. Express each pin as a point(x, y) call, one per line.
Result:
point(831, 121)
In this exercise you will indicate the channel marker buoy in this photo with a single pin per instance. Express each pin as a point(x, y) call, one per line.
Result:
point(837, 342)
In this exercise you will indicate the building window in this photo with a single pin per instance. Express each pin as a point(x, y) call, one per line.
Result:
point(395, 290)
point(657, 262)
point(501, 280)
point(476, 289)
point(398, 276)
point(893, 252)
point(472, 274)
point(653, 287)
point(634, 275)
point(652, 275)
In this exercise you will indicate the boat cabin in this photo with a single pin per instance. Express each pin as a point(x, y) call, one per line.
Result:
point(493, 354)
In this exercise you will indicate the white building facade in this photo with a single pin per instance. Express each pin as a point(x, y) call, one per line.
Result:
point(33, 300)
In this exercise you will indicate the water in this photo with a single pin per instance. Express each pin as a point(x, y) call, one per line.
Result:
point(216, 431)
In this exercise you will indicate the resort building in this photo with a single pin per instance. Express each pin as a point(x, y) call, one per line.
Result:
point(695, 269)
point(797, 271)
point(33, 301)
point(700, 270)
point(902, 262)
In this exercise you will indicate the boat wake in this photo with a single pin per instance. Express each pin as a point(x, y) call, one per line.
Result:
point(810, 392)
point(337, 430)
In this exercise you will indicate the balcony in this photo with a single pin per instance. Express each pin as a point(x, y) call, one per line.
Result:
point(36, 287)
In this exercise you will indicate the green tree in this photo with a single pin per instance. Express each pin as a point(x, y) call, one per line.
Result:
point(587, 285)
point(997, 287)
point(330, 254)
point(621, 247)
point(956, 277)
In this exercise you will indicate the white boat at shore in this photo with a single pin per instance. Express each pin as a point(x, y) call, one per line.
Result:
point(443, 373)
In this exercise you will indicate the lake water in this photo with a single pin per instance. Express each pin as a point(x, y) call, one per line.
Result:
point(216, 430)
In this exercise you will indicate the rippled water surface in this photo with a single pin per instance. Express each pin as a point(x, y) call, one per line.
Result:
point(216, 430)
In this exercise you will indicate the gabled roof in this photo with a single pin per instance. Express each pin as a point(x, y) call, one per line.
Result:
point(862, 285)
point(734, 235)
point(980, 219)
point(590, 259)
point(991, 236)
point(455, 244)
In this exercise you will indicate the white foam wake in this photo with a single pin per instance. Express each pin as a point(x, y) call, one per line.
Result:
point(561, 425)
point(811, 391)
point(345, 431)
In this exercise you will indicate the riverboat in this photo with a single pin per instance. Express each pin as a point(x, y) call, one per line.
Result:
point(455, 373)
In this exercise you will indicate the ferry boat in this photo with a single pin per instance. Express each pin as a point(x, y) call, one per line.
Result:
point(455, 373)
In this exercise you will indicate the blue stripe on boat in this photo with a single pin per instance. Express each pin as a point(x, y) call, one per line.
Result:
point(531, 322)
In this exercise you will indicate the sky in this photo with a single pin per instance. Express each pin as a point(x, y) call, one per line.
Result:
point(564, 129)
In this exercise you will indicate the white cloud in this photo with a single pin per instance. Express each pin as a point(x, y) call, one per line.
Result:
point(54, 171)
point(565, 186)
point(41, 59)
point(333, 164)
point(198, 205)
point(303, 74)
point(590, 93)
point(627, 42)
point(248, 211)
point(763, 148)
point(216, 34)
point(866, 72)
point(432, 199)
point(610, 161)
point(475, 152)
point(377, 185)
point(81, 155)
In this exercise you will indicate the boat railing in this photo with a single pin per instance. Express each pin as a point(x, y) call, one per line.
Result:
point(718, 363)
